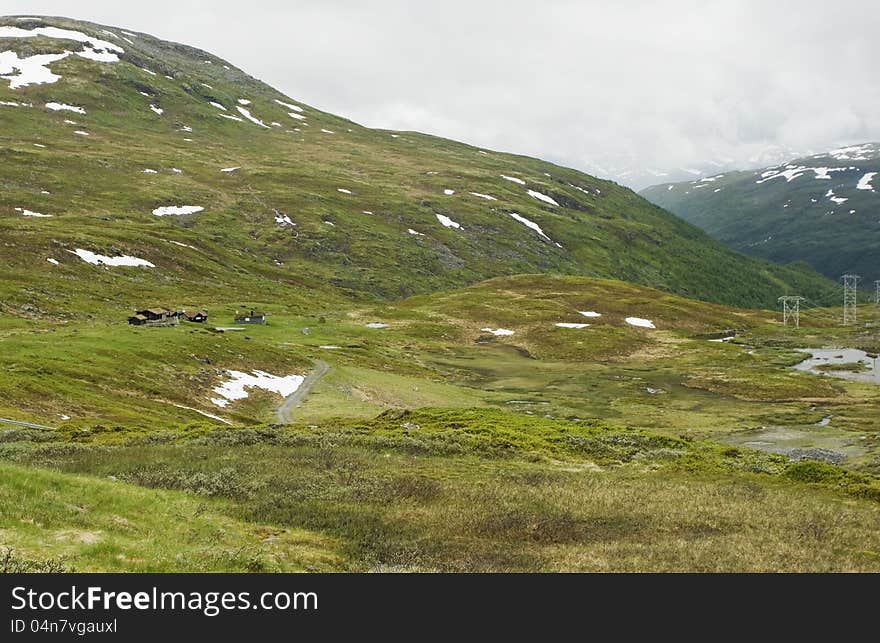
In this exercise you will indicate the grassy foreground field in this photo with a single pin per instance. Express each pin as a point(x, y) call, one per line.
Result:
point(433, 490)
point(432, 444)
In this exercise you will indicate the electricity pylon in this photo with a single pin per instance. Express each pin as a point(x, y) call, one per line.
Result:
point(850, 301)
point(791, 309)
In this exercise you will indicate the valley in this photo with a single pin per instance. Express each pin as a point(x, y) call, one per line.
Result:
point(471, 361)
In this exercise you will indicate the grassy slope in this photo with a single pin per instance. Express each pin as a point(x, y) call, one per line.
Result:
point(788, 221)
point(102, 201)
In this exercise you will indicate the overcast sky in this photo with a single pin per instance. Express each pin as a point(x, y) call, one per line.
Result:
point(591, 84)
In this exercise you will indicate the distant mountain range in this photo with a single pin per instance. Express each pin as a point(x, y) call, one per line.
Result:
point(632, 172)
point(823, 209)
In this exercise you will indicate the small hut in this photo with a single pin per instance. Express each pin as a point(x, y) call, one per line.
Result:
point(250, 318)
point(195, 316)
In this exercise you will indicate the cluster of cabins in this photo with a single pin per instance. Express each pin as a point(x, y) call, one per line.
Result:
point(165, 317)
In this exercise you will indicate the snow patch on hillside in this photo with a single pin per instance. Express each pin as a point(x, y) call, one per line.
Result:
point(570, 325)
point(865, 182)
point(498, 332)
point(449, 223)
point(103, 260)
point(542, 197)
point(641, 323)
point(59, 107)
point(483, 196)
point(862, 152)
point(256, 121)
point(235, 388)
point(836, 199)
point(30, 213)
point(513, 179)
point(34, 70)
point(177, 210)
point(529, 224)
point(295, 108)
point(791, 172)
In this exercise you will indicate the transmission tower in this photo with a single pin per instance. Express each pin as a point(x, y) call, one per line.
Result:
point(850, 291)
point(791, 310)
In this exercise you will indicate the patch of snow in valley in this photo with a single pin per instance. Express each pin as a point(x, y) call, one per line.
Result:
point(177, 210)
point(484, 196)
point(542, 197)
point(235, 388)
point(244, 112)
point(103, 260)
point(284, 220)
point(59, 107)
point(300, 117)
point(149, 171)
point(176, 171)
point(377, 325)
point(638, 321)
point(570, 325)
point(589, 313)
point(39, 145)
point(244, 101)
point(54, 262)
point(513, 179)
point(498, 332)
point(446, 221)
point(81, 133)
point(865, 182)
point(448, 192)
point(413, 232)
point(327, 131)
point(218, 106)
point(529, 224)
point(232, 118)
point(343, 190)
point(229, 170)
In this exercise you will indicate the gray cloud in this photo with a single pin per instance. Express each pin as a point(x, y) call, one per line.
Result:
point(621, 86)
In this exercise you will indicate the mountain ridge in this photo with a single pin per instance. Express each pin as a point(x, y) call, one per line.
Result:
point(170, 144)
point(821, 209)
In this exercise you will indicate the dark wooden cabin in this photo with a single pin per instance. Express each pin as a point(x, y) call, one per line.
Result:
point(251, 318)
point(195, 316)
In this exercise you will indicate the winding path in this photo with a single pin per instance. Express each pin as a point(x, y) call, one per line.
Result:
point(295, 399)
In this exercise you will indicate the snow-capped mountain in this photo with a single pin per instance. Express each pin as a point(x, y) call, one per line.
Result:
point(823, 209)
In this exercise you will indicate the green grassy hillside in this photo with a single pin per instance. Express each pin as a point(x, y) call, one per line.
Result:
point(318, 203)
point(822, 209)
